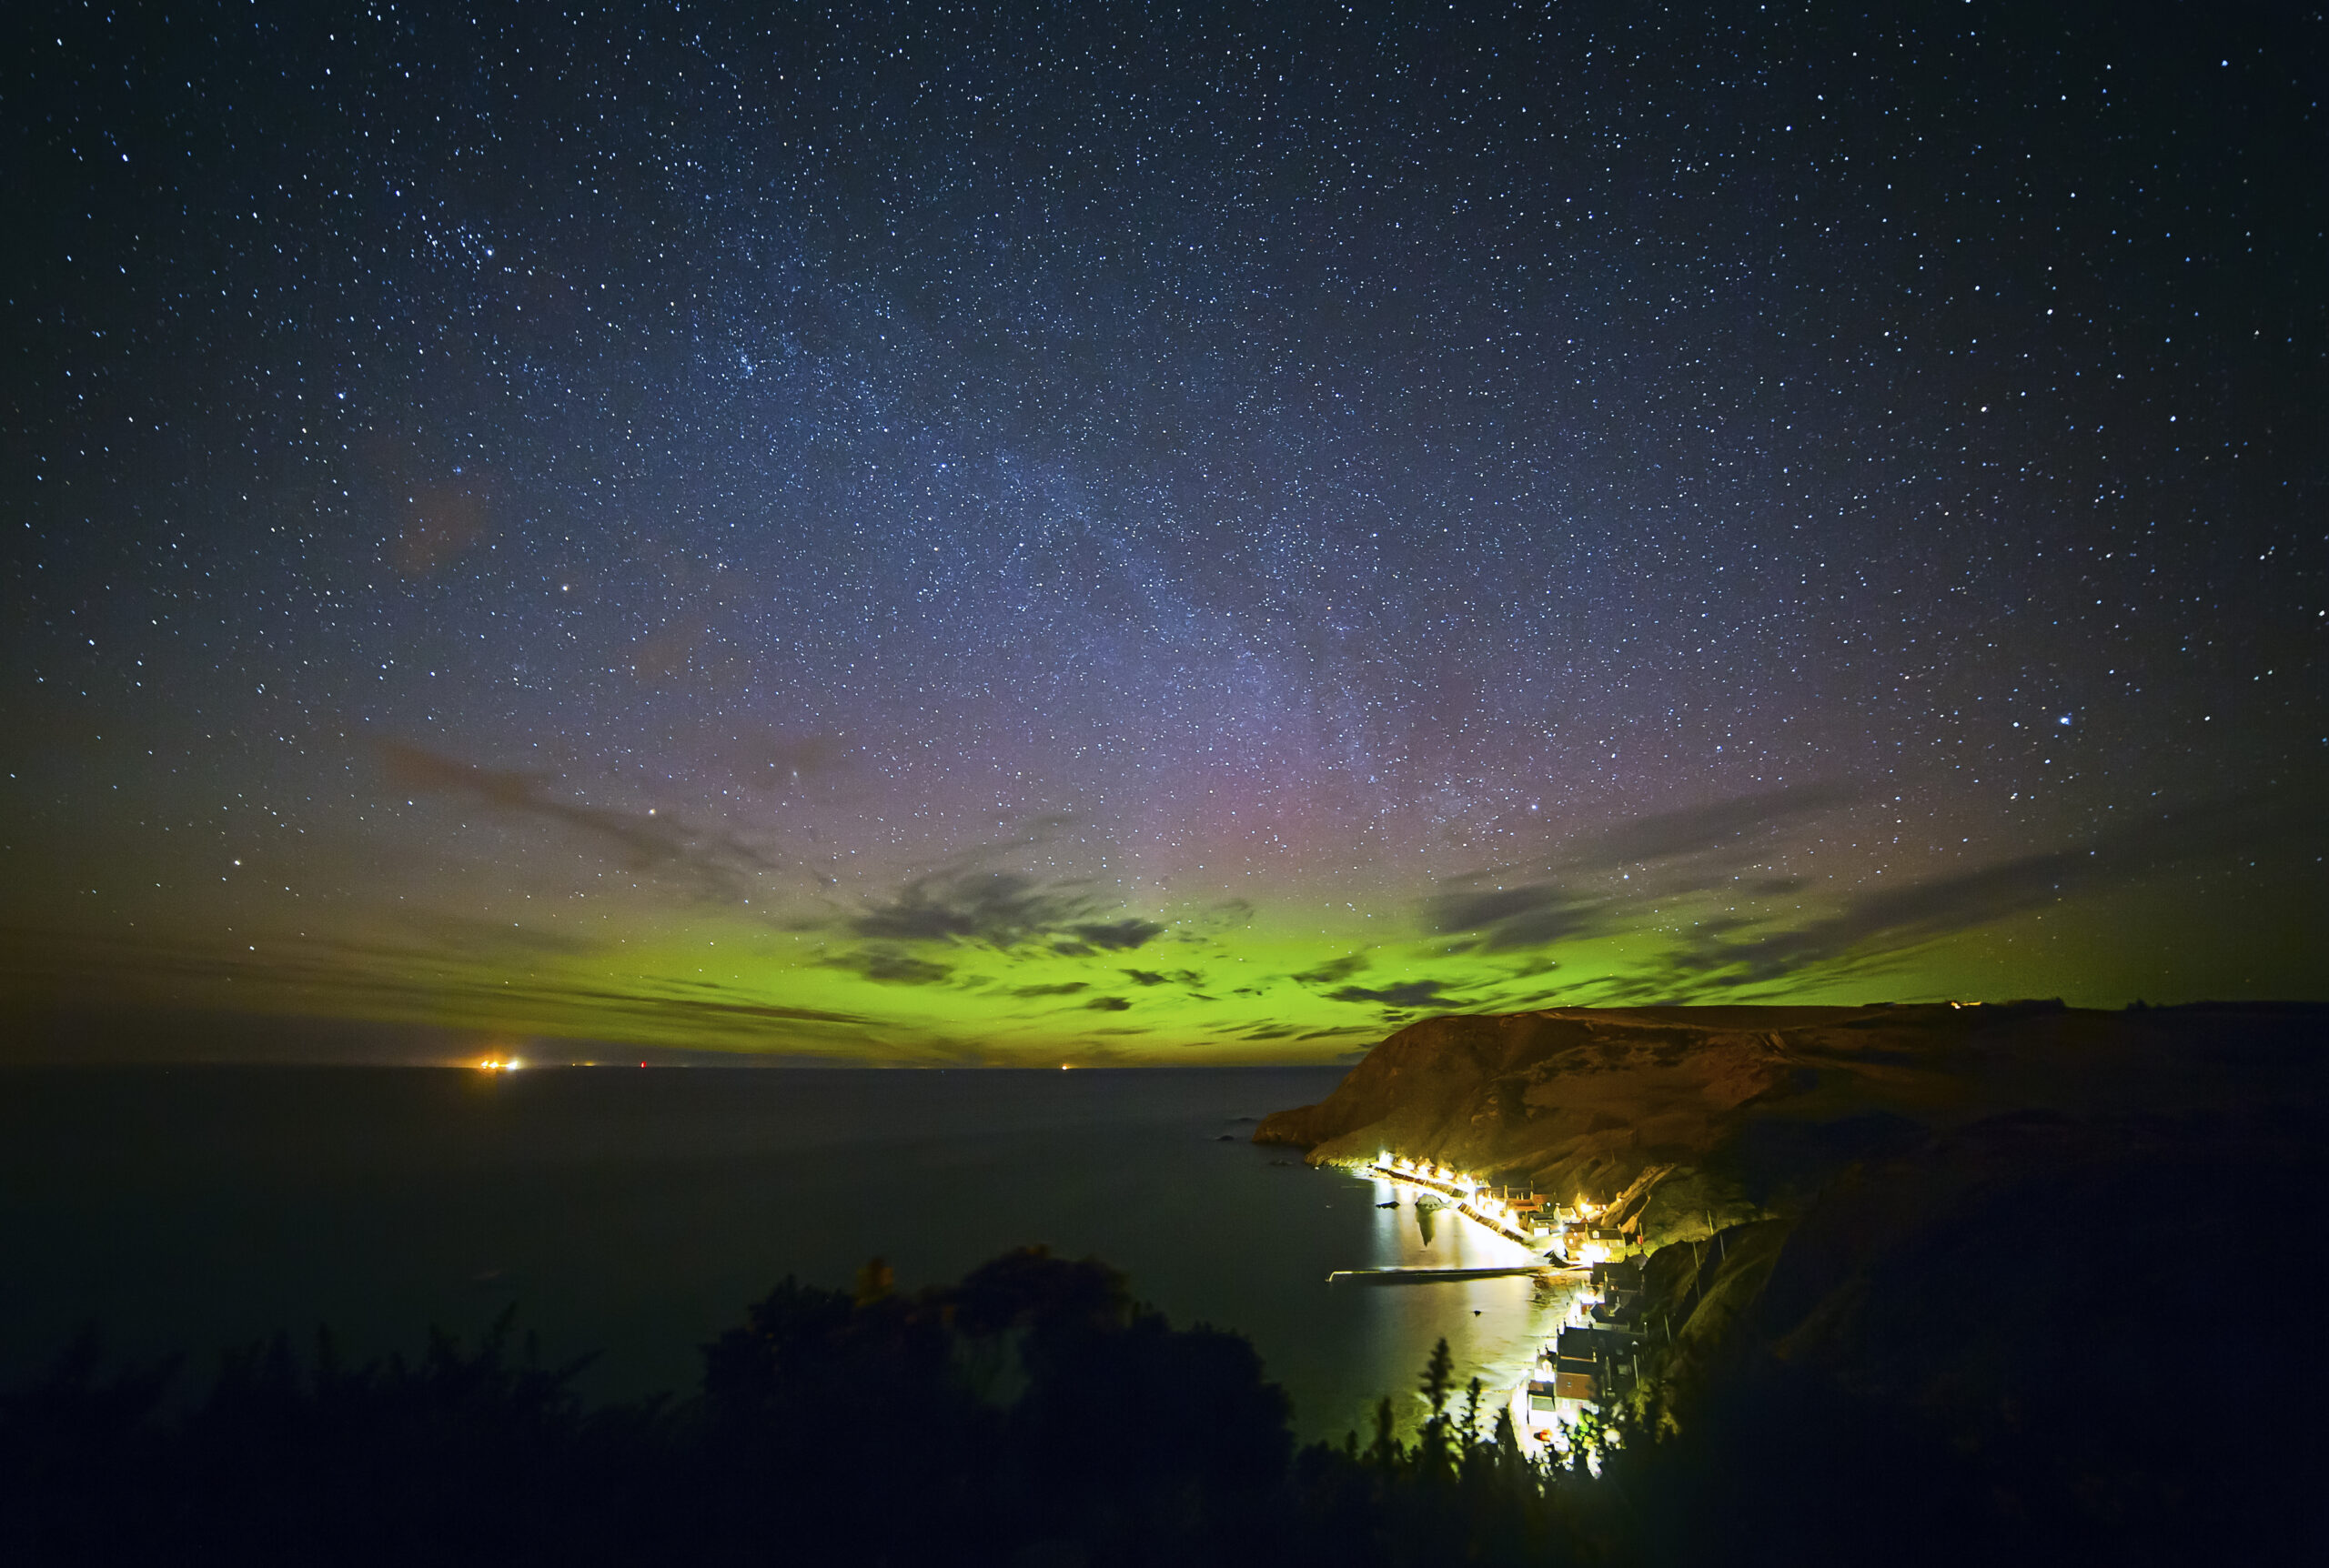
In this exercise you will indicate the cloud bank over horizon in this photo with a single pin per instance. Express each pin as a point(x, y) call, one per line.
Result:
point(971, 963)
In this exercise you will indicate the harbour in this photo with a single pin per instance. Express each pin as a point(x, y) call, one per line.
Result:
point(1586, 1262)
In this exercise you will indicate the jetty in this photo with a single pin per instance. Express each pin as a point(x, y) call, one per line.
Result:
point(1422, 1276)
point(1463, 1193)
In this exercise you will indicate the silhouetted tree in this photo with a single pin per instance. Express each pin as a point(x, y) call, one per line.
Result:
point(1031, 1413)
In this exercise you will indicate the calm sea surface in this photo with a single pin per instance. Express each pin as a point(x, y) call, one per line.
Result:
point(636, 1213)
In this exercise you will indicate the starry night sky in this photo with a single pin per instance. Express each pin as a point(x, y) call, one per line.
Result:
point(1088, 533)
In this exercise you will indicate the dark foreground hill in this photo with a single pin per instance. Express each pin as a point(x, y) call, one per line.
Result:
point(2022, 1282)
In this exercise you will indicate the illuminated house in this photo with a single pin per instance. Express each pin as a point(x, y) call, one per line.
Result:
point(1618, 1283)
point(1590, 1241)
point(1594, 1364)
point(1574, 1377)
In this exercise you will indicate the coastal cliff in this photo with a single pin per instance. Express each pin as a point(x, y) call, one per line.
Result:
point(2028, 1275)
point(1733, 1114)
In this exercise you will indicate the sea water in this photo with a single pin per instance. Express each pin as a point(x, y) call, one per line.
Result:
point(633, 1214)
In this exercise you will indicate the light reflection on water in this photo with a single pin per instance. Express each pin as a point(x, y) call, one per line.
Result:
point(1493, 1327)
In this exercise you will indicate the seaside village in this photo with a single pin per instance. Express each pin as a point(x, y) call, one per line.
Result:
point(1594, 1361)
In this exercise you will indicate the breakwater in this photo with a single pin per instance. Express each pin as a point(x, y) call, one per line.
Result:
point(1464, 1204)
point(1412, 1276)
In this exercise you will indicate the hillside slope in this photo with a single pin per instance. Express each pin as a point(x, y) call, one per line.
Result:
point(1755, 1108)
point(1927, 1285)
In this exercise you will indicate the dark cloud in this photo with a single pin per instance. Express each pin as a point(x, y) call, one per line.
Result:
point(889, 967)
point(1109, 1004)
point(1333, 969)
point(1118, 935)
point(999, 909)
point(1407, 994)
point(1189, 979)
point(1539, 913)
point(1228, 913)
point(1893, 919)
point(1069, 989)
point(405, 981)
point(1511, 918)
point(1697, 829)
point(1612, 990)
point(719, 864)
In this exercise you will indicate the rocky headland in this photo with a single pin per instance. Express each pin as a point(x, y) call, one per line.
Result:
point(1711, 1116)
point(2018, 1272)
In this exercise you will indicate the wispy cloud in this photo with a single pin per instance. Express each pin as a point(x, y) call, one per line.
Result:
point(1406, 996)
point(968, 904)
point(474, 938)
point(1707, 847)
point(422, 981)
point(886, 966)
point(1506, 918)
point(995, 909)
point(1735, 824)
point(1695, 846)
point(1117, 936)
point(1890, 921)
point(714, 862)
